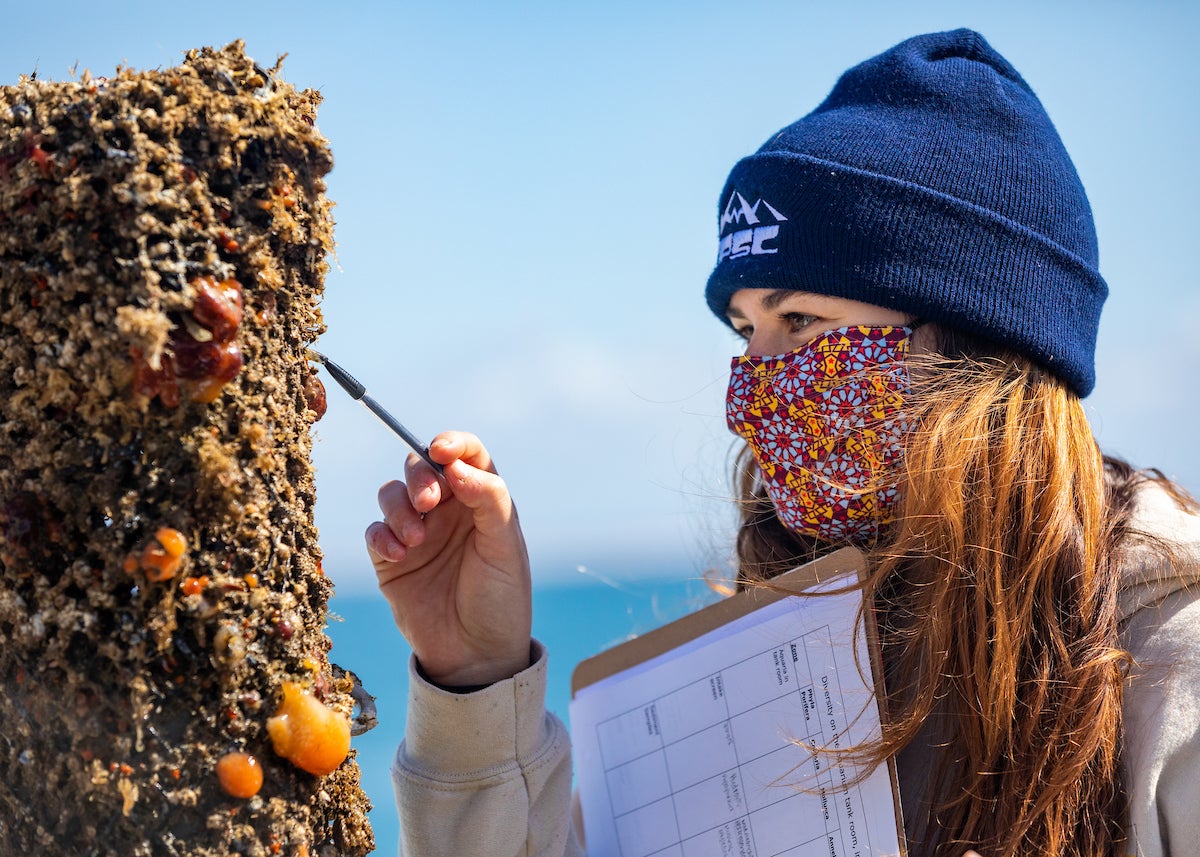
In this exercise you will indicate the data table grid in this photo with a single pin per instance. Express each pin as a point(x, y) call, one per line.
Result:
point(659, 759)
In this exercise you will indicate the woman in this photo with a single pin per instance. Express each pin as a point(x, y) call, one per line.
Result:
point(913, 267)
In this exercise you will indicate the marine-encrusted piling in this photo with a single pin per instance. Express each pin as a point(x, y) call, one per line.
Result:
point(163, 242)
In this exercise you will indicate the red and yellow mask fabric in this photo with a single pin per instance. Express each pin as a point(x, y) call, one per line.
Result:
point(826, 425)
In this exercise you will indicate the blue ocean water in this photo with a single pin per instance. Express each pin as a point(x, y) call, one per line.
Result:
point(574, 621)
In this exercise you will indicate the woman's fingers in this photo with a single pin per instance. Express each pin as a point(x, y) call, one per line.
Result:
point(383, 546)
point(400, 515)
point(470, 476)
point(485, 494)
point(451, 445)
point(424, 486)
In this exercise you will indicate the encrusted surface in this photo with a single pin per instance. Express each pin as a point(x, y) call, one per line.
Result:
point(140, 403)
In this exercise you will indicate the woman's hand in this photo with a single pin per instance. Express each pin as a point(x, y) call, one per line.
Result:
point(451, 561)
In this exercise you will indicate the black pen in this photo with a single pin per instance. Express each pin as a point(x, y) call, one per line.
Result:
point(358, 392)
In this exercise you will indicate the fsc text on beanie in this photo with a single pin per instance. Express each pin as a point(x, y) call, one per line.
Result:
point(930, 181)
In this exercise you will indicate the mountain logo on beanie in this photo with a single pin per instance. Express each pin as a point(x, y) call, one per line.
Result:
point(752, 239)
point(737, 211)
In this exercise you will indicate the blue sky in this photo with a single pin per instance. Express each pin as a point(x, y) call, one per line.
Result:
point(526, 206)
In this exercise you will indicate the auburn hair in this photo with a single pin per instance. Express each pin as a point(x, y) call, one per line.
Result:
point(995, 597)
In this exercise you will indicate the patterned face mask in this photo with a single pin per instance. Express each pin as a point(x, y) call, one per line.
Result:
point(826, 426)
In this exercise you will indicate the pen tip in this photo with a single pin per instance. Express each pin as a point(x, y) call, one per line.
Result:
point(317, 356)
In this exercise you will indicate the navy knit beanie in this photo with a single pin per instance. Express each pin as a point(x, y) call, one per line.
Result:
point(930, 181)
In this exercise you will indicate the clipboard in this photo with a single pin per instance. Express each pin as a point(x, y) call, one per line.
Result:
point(674, 634)
point(845, 563)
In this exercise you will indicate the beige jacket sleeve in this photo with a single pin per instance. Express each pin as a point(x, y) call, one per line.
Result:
point(485, 773)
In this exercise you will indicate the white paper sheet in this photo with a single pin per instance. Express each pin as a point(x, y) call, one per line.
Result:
point(708, 750)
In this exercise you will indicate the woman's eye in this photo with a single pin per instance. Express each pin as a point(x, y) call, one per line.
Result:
point(744, 333)
point(797, 321)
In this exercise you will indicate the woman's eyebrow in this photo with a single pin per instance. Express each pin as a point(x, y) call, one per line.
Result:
point(778, 296)
point(769, 301)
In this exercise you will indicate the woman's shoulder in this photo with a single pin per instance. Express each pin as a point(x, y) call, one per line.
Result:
point(1160, 627)
point(1160, 556)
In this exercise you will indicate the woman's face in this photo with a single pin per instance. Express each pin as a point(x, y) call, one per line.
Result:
point(776, 321)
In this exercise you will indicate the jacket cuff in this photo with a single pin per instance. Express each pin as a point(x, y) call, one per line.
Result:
point(461, 733)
